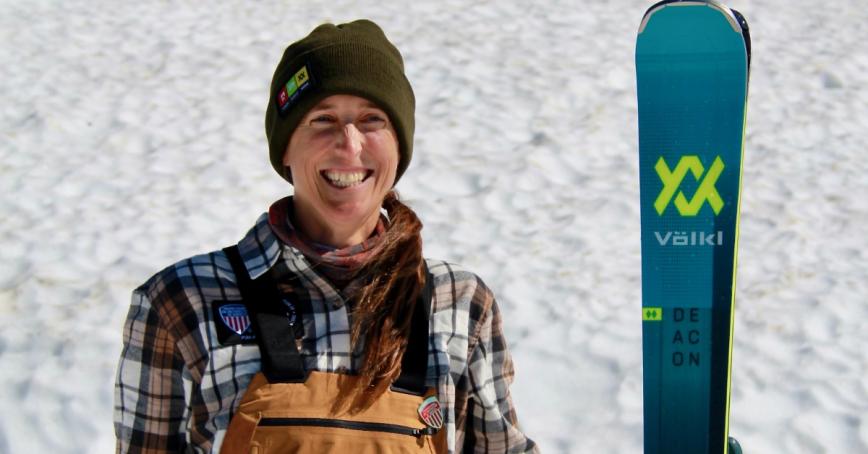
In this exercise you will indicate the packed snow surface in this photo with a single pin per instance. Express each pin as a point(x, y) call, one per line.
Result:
point(132, 136)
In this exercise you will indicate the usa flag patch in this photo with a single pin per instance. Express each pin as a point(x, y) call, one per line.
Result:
point(232, 323)
point(235, 317)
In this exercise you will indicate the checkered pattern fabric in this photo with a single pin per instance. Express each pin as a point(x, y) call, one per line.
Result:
point(177, 387)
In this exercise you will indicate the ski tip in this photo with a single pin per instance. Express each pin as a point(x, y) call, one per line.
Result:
point(728, 13)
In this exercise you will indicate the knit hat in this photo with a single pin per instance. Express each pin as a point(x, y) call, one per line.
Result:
point(354, 58)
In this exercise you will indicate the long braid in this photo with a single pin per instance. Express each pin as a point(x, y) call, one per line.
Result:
point(393, 277)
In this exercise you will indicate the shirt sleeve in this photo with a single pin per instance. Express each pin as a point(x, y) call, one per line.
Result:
point(492, 425)
point(150, 409)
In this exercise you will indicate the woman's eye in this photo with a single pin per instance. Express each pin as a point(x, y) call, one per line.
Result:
point(322, 120)
point(374, 121)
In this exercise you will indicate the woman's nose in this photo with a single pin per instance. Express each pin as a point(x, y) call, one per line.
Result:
point(351, 139)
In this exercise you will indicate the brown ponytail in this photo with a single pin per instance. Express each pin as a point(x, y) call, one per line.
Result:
point(393, 278)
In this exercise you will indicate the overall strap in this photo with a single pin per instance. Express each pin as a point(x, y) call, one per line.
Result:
point(414, 363)
point(281, 361)
point(269, 317)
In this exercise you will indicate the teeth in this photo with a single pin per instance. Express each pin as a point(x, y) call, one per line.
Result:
point(345, 180)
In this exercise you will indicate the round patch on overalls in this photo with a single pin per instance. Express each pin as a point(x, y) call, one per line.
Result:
point(431, 413)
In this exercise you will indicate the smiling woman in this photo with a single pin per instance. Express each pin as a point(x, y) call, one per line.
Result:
point(343, 157)
point(324, 330)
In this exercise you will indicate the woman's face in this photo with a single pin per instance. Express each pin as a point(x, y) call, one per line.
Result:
point(343, 157)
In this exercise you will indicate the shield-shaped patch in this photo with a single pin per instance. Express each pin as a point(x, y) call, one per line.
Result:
point(431, 412)
point(235, 317)
point(232, 323)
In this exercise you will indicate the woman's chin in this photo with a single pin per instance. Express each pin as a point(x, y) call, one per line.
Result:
point(347, 209)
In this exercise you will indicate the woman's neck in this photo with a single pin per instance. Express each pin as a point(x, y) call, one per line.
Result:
point(337, 233)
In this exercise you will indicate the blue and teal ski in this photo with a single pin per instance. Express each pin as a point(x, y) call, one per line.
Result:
point(692, 62)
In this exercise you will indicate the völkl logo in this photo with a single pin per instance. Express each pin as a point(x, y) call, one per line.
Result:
point(672, 180)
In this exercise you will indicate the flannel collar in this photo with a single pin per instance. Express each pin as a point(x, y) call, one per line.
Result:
point(273, 236)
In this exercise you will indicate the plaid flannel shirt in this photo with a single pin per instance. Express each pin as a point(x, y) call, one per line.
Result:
point(177, 386)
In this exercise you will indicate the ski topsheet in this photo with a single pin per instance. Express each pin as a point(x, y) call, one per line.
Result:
point(692, 73)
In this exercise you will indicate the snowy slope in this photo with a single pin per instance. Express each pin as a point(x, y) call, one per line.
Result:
point(132, 137)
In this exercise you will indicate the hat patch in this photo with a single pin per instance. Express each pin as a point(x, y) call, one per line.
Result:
point(294, 87)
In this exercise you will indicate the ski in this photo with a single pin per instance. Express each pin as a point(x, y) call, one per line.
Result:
point(692, 64)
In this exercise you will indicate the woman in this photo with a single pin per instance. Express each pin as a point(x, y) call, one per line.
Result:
point(323, 329)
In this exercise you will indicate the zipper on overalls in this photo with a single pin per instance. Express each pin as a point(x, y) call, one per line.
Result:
point(351, 425)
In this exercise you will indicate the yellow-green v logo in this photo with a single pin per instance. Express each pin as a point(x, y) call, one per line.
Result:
point(672, 180)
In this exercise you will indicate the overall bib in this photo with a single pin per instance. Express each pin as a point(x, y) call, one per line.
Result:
point(289, 410)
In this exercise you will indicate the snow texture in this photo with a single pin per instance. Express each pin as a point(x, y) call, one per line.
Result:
point(132, 136)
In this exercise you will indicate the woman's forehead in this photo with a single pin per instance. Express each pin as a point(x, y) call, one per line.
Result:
point(335, 101)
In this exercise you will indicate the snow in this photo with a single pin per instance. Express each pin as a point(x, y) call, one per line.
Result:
point(132, 137)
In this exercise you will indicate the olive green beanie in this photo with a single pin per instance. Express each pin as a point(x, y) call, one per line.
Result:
point(354, 58)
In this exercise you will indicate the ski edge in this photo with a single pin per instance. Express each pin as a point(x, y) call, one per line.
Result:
point(734, 277)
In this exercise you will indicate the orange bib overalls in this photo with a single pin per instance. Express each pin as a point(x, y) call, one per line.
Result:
point(288, 410)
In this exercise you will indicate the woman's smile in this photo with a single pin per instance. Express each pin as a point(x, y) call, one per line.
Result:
point(343, 179)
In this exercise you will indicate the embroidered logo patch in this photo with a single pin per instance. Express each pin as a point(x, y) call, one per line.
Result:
point(235, 317)
point(294, 87)
point(232, 323)
point(431, 413)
